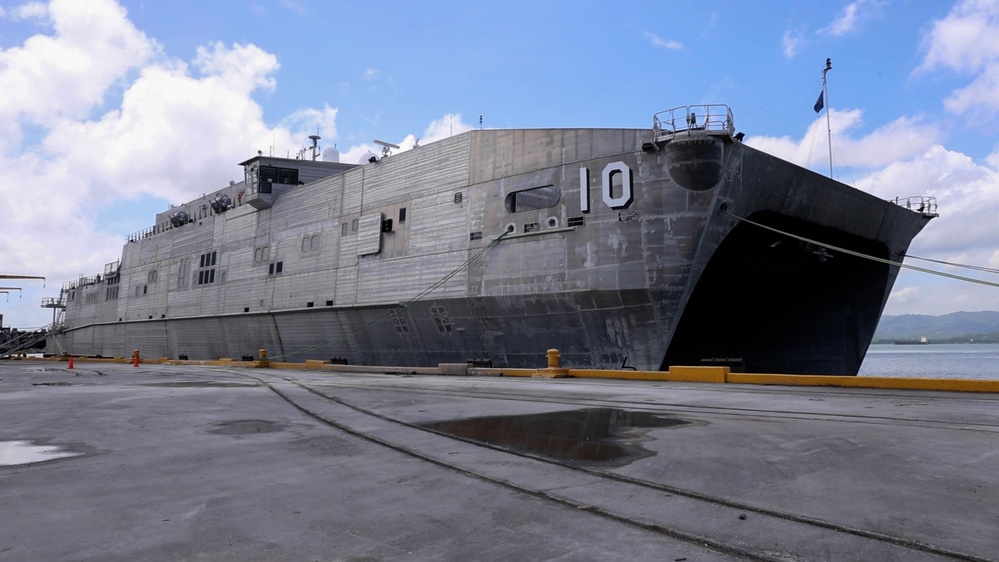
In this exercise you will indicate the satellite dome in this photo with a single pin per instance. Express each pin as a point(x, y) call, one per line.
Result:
point(331, 154)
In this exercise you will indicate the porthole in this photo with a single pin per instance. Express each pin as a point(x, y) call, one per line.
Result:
point(552, 222)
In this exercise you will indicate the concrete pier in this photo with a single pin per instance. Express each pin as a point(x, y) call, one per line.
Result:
point(169, 462)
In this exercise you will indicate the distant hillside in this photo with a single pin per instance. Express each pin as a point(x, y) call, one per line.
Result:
point(953, 327)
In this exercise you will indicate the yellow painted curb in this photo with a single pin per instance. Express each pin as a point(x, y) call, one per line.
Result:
point(954, 385)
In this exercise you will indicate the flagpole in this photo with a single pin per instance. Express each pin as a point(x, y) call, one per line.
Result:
point(825, 92)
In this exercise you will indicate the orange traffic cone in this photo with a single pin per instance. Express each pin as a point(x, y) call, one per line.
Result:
point(70, 362)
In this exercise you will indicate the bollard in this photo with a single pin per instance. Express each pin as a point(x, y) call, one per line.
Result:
point(70, 362)
point(553, 371)
point(553, 356)
point(135, 358)
point(262, 362)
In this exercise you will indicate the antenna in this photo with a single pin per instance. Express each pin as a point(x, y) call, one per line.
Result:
point(387, 147)
point(315, 145)
point(825, 91)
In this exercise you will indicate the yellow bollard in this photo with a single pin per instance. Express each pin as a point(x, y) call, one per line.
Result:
point(553, 371)
point(553, 356)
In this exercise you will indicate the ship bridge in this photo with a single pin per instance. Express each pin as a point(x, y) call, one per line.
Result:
point(267, 177)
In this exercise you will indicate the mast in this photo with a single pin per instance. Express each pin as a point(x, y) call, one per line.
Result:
point(825, 92)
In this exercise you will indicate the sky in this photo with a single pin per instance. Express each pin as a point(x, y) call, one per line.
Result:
point(111, 111)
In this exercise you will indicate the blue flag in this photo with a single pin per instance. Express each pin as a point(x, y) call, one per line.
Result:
point(819, 103)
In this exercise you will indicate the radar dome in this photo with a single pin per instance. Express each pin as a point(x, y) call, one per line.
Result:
point(331, 154)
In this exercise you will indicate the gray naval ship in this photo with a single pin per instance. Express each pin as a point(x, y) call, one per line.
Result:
point(633, 248)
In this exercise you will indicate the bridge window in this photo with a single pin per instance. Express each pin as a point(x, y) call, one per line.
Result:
point(271, 174)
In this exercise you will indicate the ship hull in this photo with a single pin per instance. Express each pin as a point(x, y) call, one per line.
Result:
point(503, 332)
point(618, 250)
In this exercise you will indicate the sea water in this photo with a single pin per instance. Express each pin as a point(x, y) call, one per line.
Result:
point(945, 361)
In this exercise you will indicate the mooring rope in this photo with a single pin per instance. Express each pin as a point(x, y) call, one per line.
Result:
point(402, 305)
point(964, 265)
point(864, 256)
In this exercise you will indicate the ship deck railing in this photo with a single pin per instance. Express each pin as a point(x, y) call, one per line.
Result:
point(692, 120)
point(922, 204)
point(196, 211)
point(53, 302)
point(144, 233)
point(89, 280)
point(147, 232)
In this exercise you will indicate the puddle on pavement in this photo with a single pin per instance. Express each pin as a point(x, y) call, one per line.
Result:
point(247, 427)
point(13, 453)
point(595, 436)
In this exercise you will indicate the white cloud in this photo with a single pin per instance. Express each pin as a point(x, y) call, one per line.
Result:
point(965, 232)
point(967, 41)
point(67, 73)
point(311, 121)
point(967, 194)
point(791, 42)
point(664, 43)
point(848, 21)
point(993, 158)
point(448, 125)
point(370, 74)
point(173, 130)
point(245, 67)
point(916, 292)
point(28, 10)
point(905, 297)
point(899, 139)
point(172, 126)
point(851, 17)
